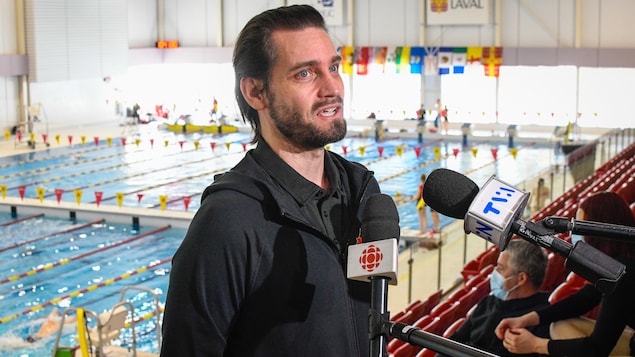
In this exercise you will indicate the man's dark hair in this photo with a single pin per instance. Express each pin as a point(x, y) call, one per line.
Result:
point(254, 52)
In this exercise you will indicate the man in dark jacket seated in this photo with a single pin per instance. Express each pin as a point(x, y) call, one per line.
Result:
point(515, 287)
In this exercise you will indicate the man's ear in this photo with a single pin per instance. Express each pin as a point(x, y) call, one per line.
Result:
point(523, 278)
point(253, 92)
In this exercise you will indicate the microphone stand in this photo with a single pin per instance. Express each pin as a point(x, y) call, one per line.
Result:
point(418, 337)
point(377, 315)
point(380, 327)
point(578, 226)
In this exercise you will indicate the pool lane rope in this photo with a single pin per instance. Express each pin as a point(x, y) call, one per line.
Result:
point(6, 224)
point(68, 260)
point(85, 290)
point(400, 200)
point(101, 169)
point(76, 228)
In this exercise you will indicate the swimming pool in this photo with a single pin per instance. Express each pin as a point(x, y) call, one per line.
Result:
point(102, 251)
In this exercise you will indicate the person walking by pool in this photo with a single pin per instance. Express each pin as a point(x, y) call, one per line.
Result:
point(214, 112)
point(262, 269)
point(421, 210)
point(445, 123)
point(540, 196)
point(437, 119)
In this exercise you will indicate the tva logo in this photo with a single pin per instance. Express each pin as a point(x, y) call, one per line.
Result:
point(502, 195)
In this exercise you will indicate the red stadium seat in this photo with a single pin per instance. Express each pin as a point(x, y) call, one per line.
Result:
point(562, 291)
point(447, 317)
point(414, 303)
point(426, 353)
point(420, 309)
point(437, 310)
point(406, 350)
point(433, 326)
point(457, 294)
point(556, 272)
point(482, 289)
point(434, 299)
point(467, 301)
point(453, 327)
point(394, 345)
point(423, 321)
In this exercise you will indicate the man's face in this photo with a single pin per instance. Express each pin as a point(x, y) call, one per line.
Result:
point(504, 268)
point(306, 90)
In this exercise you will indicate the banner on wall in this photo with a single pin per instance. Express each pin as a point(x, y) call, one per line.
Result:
point(331, 10)
point(458, 12)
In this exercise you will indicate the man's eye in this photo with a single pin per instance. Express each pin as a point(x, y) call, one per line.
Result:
point(334, 68)
point(303, 74)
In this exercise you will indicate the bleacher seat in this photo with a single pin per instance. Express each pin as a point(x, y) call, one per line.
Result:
point(407, 318)
point(487, 257)
point(440, 307)
point(467, 301)
point(453, 327)
point(412, 304)
point(406, 350)
point(433, 326)
point(627, 191)
point(421, 309)
point(562, 291)
point(423, 321)
point(482, 289)
point(434, 298)
point(448, 316)
point(458, 293)
point(426, 353)
point(556, 272)
point(394, 345)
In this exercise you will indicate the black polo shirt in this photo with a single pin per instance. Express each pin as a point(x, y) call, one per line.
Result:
point(326, 209)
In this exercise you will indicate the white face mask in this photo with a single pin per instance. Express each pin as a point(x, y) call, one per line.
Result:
point(496, 282)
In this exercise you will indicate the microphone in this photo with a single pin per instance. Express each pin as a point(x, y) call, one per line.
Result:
point(494, 214)
point(376, 260)
point(578, 226)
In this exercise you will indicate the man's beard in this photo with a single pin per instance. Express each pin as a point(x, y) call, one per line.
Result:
point(301, 132)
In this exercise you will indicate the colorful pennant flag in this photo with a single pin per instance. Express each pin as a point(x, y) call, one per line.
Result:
point(402, 59)
point(347, 53)
point(444, 60)
point(474, 54)
point(362, 57)
point(459, 59)
point(492, 60)
point(380, 54)
point(431, 65)
point(416, 60)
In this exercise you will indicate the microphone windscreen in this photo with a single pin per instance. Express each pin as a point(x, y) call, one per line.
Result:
point(449, 192)
point(380, 219)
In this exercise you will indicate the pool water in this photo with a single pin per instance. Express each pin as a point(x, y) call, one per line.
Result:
point(85, 260)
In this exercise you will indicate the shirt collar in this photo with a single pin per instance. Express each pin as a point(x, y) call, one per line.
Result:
point(301, 189)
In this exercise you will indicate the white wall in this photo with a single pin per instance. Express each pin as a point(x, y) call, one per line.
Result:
point(207, 29)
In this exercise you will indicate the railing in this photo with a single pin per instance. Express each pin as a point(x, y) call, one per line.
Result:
point(423, 271)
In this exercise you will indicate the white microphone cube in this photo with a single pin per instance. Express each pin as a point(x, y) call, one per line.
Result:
point(377, 258)
point(493, 211)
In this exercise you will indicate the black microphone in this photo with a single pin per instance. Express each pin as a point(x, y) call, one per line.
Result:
point(376, 260)
point(578, 226)
point(494, 214)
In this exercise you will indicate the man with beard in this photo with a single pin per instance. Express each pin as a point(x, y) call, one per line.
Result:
point(262, 269)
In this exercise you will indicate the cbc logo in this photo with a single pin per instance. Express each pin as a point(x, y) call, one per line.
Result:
point(371, 258)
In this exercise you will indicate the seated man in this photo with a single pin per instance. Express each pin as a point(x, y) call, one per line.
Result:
point(515, 287)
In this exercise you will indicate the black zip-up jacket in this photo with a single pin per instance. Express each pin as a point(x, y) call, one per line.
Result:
point(253, 277)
